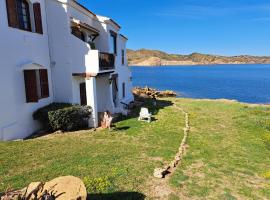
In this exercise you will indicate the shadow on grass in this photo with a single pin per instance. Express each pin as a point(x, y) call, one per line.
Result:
point(154, 106)
point(117, 196)
point(123, 128)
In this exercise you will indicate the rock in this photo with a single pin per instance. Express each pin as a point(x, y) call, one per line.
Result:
point(152, 93)
point(66, 187)
point(159, 173)
point(33, 188)
point(58, 132)
point(62, 188)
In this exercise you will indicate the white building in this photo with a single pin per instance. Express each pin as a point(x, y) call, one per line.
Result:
point(58, 51)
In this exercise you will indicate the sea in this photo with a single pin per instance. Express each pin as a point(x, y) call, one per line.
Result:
point(249, 83)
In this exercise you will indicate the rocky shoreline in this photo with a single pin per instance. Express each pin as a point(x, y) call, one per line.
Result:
point(147, 92)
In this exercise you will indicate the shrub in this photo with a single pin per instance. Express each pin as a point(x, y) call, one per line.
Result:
point(63, 116)
point(70, 118)
point(42, 114)
point(97, 185)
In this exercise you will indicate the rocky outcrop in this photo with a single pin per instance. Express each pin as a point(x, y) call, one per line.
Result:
point(152, 93)
point(62, 188)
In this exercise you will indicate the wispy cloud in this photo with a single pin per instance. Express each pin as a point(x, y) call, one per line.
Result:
point(200, 12)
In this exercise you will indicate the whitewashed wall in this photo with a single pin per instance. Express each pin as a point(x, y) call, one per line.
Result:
point(19, 47)
point(55, 51)
point(124, 72)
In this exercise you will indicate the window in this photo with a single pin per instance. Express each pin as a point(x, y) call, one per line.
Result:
point(123, 90)
point(123, 57)
point(113, 43)
point(36, 85)
point(18, 13)
point(23, 15)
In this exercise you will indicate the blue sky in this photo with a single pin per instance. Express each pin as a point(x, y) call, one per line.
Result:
point(225, 27)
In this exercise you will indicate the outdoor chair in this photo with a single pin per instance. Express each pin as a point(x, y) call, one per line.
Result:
point(145, 115)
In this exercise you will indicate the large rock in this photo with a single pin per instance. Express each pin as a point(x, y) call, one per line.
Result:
point(66, 187)
point(62, 188)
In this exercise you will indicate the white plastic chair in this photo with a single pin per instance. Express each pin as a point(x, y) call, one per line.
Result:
point(145, 115)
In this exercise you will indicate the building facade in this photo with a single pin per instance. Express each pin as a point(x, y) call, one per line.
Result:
point(58, 51)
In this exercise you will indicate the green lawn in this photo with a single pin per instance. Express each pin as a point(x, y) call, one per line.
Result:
point(228, 155)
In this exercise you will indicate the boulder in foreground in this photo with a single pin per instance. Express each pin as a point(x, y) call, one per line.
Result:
point(62, 188)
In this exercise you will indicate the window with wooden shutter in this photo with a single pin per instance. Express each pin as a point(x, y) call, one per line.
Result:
point(38, 18)
point(12, 13)
point(30, 82)
point(44, 85)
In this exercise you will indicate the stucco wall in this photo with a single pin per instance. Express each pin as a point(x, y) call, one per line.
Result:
point(104, 98)
point(18, 48)
point(124, 72)
point(62, 54)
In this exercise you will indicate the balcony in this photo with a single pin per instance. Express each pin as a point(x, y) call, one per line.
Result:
point(106, 61)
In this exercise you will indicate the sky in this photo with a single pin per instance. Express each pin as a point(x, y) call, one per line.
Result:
point(223, 27)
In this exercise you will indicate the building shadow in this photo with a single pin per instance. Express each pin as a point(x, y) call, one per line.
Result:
point(117, 196)
point(153, 105)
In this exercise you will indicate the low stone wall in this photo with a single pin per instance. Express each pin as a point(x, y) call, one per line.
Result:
point(162, 172)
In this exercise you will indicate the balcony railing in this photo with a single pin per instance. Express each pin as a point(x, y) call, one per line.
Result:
point(106, 61)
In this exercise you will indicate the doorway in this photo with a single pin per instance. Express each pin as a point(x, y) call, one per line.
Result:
point(83, 94)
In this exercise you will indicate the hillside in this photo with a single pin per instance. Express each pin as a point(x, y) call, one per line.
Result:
point(145, 57)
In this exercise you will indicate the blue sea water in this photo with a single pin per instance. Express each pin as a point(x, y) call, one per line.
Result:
point(245, 83)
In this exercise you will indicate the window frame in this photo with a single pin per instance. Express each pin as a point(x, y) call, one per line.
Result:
point(38, 86)
point(113, 35)
point(21, 15)
point(123, 90)
point(123, 57)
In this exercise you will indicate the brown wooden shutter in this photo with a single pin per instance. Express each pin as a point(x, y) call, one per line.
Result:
point(44, 84)
point(38, 18)
point(30, 82)
point(12, 13)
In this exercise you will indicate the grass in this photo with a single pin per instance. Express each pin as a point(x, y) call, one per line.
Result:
point(228, 154)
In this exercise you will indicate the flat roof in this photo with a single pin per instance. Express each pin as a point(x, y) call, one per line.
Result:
point(114, 22)
point(124, 36)
point(84, 7)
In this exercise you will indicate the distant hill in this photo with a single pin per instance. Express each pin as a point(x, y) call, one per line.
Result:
point(145, 57)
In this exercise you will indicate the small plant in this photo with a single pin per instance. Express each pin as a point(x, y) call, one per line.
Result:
point(97, 185)
point(266, 175)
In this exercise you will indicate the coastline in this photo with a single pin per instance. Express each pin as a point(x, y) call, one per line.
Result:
point(146, 92)
point(194, 65)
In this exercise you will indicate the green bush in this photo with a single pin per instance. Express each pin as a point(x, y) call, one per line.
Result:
point(42, 114)
point(63, 116)
point(97, 185)
point(69, 118)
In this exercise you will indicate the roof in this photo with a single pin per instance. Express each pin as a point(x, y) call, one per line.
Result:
point(106, 19)
point(82, 6)
point(123, 36)
point(115, 23)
